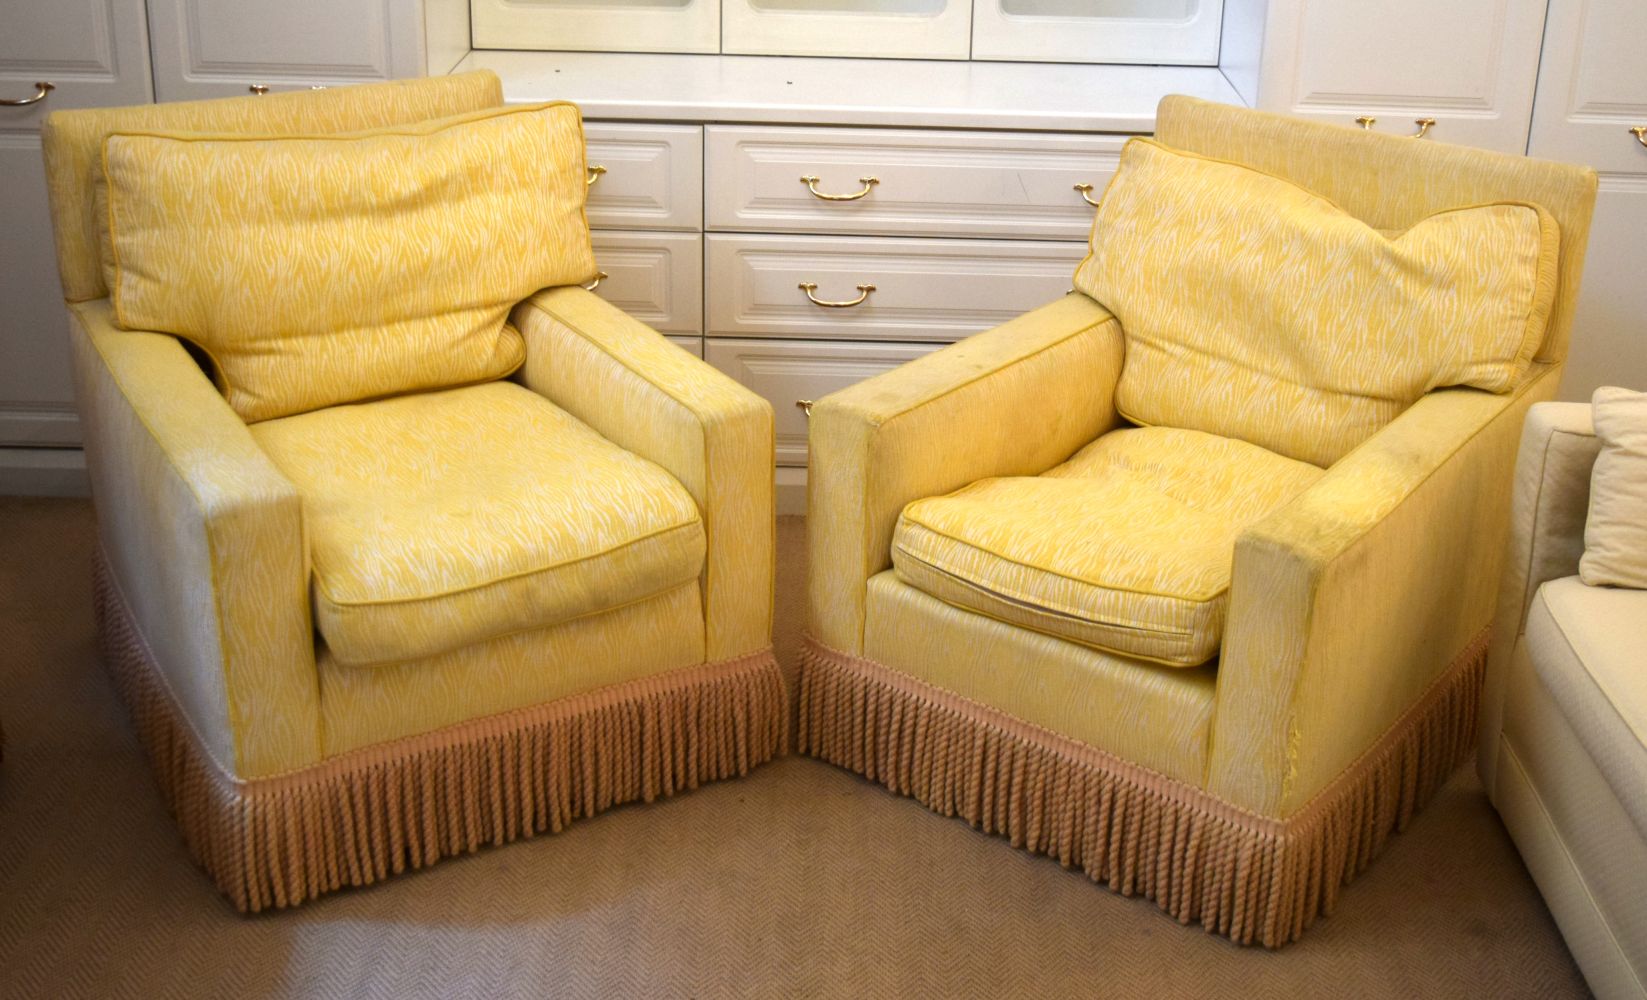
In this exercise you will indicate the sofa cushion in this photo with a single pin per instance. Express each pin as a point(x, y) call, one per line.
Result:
point(440, 519)
point(1615, 531)
point(1253, 308)
point(1126, 547)
point(324, 269)
point(1587, 645)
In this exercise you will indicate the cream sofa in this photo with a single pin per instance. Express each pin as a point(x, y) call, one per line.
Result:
point(1564, 713)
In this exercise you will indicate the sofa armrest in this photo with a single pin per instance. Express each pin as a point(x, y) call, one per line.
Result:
point(1547, 514)
point(1012, 401)
point(204, 537)
point(1348, 604)
point(626, 381)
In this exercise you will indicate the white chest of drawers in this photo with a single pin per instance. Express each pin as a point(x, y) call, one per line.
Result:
point(802, 259)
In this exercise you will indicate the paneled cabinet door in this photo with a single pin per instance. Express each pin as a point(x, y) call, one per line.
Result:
point(1592, 86)
point(71, 54)
point(1467, 67)
point(224, 48)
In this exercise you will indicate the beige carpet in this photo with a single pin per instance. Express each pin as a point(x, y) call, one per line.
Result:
point(800, 880)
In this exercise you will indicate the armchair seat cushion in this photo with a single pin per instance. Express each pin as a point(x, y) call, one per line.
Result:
point(442, 519)
point(1127, 547)
point(1587, 646)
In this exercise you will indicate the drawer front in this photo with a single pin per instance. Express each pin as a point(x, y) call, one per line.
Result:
point(652, 176)
point(926, 183)
point(655, 277)
point(786, 371)
point(89, 53)
point(691, 345)
point(927, 290)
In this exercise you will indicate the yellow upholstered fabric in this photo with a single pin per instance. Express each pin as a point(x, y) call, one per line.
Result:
point(441, 519)
point(1160, 719)
point(73, 143)
point(1014, 401)
point(204, 538)
point(360, 707)
point(1126, 547)
point(1255, 309)
point(1391, 183)
point(1615, 529)
point(713, 435)
point(1347, 603)
point(316, 270)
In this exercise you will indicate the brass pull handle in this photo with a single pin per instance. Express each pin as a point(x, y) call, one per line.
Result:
point(594, 175)
point(863, 294)
point(40, 91)
point(1424, 126)
point(804, 405)
point(600, 276)
point(258, 89)
point(1366, 121)
point(811, 183)
point(1640, 132)
point(1086, 194)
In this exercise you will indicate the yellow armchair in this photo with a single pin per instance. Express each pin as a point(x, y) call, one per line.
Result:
point(1242, 792)
point(362, 638)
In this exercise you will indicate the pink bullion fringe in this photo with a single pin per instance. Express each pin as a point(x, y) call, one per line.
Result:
point(1250, 877)
point(362, 816)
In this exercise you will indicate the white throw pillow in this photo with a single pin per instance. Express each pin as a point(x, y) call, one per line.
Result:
point(1615, 535)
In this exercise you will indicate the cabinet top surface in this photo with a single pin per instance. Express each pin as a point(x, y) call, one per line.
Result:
point(807, 91)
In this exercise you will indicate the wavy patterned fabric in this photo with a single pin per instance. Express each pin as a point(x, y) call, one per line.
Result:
point(1160, 719)
point(1013, 401)
point(73, 143)
point(1126, 547)
point(1391, 182)
point(204, 535)
point(627, 382)
point(324, 269)
point(441, 519)
point(1256, 309)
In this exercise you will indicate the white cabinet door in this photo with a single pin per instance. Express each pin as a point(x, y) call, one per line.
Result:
point(645, 176)
point(1592, 86)
point(36, 395)
point(1468, 65)
point(655, 277)
point(885, 29)
point(91, 53)
point(224, 48)
point(598, 25)
point(865, 288)
point(787, 373)
point(1609, 345)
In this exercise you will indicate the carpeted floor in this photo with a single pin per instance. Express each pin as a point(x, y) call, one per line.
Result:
point(801, 880)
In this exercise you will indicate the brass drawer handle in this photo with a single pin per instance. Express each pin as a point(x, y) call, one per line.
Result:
point(1366, 122)
point(259, 89)
point(863, 295)
point(811, 183)
point(1640, 132)
point(804, 405)
point(40, 92)
point(594, 175)
point(1424, 126)
point(600, 276)
point(1086, 194)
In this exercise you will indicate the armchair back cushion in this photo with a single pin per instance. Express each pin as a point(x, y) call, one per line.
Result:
point(1256, 309)
point(325, 269)
point(73, 143)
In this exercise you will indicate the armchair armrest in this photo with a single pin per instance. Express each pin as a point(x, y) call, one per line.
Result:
point(1547, 514)
point(1012, 401)
point(204, 537)
point(1349, 603)
point(626, 381)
